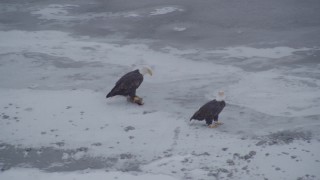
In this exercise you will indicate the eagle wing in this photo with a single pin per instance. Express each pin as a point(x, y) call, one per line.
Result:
point(127, 84)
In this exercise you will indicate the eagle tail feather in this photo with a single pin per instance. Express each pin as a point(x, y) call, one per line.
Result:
point(110, 94)
point(195, 116)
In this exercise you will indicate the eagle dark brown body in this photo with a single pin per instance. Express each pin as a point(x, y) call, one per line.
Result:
point(127, 85)
point(209, 112)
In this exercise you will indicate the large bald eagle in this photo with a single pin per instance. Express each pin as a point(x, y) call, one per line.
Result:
point(211, 110)
point(128, 84)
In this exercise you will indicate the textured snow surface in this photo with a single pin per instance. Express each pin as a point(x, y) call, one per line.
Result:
point(55, 122)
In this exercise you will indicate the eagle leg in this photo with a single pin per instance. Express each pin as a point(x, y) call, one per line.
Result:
point(215, 119)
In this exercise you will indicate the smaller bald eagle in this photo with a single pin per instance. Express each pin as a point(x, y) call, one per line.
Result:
point(211, 110)
point(129, 83)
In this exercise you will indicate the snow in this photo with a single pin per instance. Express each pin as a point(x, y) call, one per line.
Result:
point(61, 12)
point(271, 88)
point(164, 10)
point(39, 175)
point(179, 28)
point(250, 52)
point(55, 122)
point(55, 11)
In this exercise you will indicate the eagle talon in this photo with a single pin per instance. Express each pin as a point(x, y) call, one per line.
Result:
point(213, 126)
point(136, 99)
point(216, 124)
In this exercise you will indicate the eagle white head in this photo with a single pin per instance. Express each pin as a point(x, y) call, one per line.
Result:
point(220, 96)
point(145, 70)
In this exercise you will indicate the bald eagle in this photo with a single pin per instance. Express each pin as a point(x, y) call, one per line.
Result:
point(211, 110)
point(129, 83)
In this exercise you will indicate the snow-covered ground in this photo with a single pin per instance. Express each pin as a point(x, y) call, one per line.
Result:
point(55, 122)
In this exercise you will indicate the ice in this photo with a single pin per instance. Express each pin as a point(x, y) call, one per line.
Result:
point(94, 175)
point(58, 61)
point(250, 52)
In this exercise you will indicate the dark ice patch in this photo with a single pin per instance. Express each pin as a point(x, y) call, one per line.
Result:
point(293, 157)
point(126, 156)
point(96, 144)
point(82, 149)
point(28, 109)
point(47, 158)
point(88, 48)
point(82, 76)
point(5, 117)
point(148, 112)
point(43, 59)
point(129, 128)
point(249, 155)
point(130, 166)
point(224, 149)
point(284, 137)
point(59, 144)
point(223, 170)
point(200, 154)
point(230, 162)
point(245, 157)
